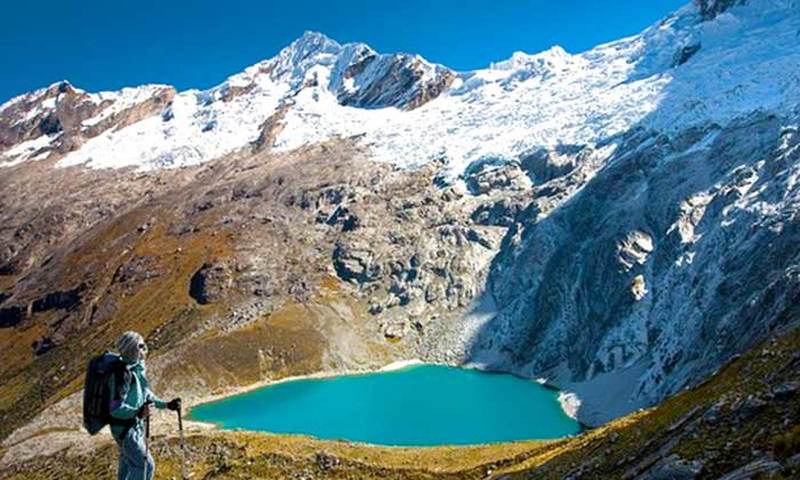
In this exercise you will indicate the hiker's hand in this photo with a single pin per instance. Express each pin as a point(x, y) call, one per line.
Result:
point(174, 404)
point(144, 412)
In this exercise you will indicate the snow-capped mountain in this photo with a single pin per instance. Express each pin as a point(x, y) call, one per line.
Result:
point(680, 72)
point(619, 221)
point(197, 126)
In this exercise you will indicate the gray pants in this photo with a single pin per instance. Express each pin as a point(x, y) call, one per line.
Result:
point(131, 456)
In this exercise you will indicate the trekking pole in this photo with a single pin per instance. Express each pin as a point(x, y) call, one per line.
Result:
point(184, 473)
point(146, 443)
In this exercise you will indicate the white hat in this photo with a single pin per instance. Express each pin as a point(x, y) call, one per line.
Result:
point(128, 346)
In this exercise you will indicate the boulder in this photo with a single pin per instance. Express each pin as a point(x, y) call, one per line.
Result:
point(761, 467)
point(750, 407)
point(42, 346)
point(355, 263)
point(786, 390)
point(500, 213)
point(489, 175)
point(672, 467)
point(209, 283)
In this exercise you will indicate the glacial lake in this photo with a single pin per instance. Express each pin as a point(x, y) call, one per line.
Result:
point(420, 405)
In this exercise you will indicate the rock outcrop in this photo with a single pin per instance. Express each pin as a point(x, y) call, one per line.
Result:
point(709, 9)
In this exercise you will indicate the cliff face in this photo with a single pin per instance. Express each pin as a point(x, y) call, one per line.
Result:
point(620, 222)
point(675, 252)
point(671, 259)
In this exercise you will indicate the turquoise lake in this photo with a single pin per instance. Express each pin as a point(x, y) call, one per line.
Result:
point(422, 405)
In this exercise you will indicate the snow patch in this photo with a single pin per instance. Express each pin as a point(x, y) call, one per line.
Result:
point(634, 249)
point(121, 101)
point(28, 149)
point(201, 127)
point(401, 364)
point(570, 403)
point(691, 213)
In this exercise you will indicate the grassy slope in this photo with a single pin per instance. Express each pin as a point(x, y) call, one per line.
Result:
point(33, 383)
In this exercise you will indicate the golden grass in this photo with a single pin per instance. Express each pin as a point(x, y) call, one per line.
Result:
point(7, 282)
point(27, 384)
point(16, 347)
point(280, 345)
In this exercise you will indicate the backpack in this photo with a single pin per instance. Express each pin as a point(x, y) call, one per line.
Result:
point(97, 394)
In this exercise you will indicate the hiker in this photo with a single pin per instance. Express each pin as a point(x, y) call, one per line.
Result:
point(130, 406)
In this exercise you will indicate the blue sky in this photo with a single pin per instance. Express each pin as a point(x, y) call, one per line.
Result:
point(105, 45)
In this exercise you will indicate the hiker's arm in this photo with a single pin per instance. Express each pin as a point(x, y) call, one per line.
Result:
point(119, 407)
point(152, 397)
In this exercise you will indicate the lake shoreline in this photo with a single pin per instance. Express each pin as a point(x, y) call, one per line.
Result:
point(397, 365)
point(564, 404)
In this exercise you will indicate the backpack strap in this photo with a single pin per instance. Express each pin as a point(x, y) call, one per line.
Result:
point(122, 380)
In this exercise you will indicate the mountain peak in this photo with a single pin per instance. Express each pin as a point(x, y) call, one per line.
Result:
point(356, 75)
point(311, 41)
point(313, 35)
point(310, 49)
point(551, 58)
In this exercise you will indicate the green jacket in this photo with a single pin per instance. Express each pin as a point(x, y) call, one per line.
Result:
point(127, 401)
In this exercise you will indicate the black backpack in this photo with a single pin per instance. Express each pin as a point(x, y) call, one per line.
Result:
point(97, 394)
